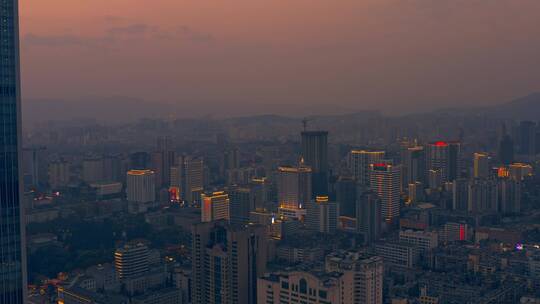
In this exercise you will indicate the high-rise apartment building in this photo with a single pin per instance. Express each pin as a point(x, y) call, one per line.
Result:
point(363, 276)
point(315, 155)
point(444, 157)
point(230, 159)
point(483, 195)
point(481, 165)
point(460, 194)
point(346, 196)
point(509, 195)
point(386, 183)
point(527, 136)
point(59, 174)
point(12, 259)
point(424, 240)
point(92, 170)
point(242, 202)
point(162, 159)
point(188, 177)
point(414, 163)
point(294, 187)
point(368, 215)
point(141, 186)
point(226, 262)
point(359, 161)
point(215, 206)
point(506, 149)
point(347, 279)
point(321, 215)
point(131, 261)
point(35, 166)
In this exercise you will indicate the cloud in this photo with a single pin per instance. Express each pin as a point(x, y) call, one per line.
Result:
point(187, 32)
point(32, 39)
point(132, 29)
point(117, 35)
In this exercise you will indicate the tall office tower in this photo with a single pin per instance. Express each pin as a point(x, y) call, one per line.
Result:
point(346, 196)
point(242, 202)
point(112, 168)
point(92, 170)
point(260, 188)
point(527, 136)
point(215, 206)
point(59, 174)
point(483, 196)
point(506, 148)
point(460, 194)
point(12, 259)
point(226, 262)
point(294, 186)
point(368, 215)
point(321, 215)
point(414, 164)
point(454, 160)
point(385, 180)
point(509, 195)
point(139, 161)
point(359, 161)
point(415, 192)
point(481, 165)
point(230, 159)
point(315, 154)
point(35, 165)
point(162, 160)
point(444, 157)
point(193, 178)
point(435, 178)
point(188, 177)
point(141, 186)
point(131, 261)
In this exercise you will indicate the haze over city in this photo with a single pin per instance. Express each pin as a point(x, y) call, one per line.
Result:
point(241, 57)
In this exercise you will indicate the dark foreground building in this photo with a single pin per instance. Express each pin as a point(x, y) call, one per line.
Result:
point(12, 257)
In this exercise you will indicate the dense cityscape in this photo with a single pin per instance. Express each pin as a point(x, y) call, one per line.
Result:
point(437, 207)
point(207, 211)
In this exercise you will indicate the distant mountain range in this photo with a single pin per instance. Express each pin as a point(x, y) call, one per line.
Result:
point(124, 109)
point(524, 108)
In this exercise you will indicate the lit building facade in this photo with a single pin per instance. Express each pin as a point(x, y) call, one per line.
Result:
point(141, 186)
point(386, 183)
point(359, 162)
point(215, 206)
point(131, 261)
point(294, 188)
point(322, 215)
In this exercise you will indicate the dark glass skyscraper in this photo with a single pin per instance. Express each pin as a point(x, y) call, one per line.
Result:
point(12, 257)
point(315, 154)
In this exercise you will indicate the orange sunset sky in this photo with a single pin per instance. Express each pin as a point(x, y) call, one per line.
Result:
point(396, 55)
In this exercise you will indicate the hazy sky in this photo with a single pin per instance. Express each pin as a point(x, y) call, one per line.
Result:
point(388, 54)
